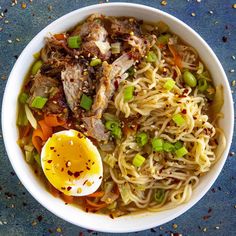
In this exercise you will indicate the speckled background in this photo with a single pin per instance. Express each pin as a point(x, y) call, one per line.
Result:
point(20, 214)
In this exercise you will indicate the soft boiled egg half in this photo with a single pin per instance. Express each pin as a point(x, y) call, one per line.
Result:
point(71, 163)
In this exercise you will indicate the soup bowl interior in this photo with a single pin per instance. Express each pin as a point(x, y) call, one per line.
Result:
point(25, 173)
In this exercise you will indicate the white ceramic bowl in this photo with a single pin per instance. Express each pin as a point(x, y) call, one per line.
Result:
point(73, 214)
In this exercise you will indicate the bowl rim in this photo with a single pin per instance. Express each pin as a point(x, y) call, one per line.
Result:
point(97, 227)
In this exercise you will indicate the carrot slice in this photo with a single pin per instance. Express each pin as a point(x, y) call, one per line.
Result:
point(96, 205)
point(53, 120)
point(59, 36)
point(96, 194)
point(177, 58)
point(47, 130)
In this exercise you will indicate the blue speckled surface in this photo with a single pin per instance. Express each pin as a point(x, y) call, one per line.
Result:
point(20, 214)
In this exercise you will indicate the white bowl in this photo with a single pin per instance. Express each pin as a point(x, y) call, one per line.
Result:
point(73, 214)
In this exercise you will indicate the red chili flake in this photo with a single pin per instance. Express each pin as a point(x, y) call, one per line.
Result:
point(80, 135)
point(52, 148)
point(69, 188)
point(62, 169)
point(81, 234)
point(100, 177)
point(184, 111)
point(206, 217)
point(69, 173)
point(49, 161)
point(116, 84)
point(77, 173)
point(39, 218)
point(87, 168)
point(224, 39)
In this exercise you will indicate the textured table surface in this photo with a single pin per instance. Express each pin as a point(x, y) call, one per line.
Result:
point(20, 214)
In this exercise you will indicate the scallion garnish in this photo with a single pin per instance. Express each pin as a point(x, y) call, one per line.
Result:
point(74, 41)
point(141, 139)
point(38, 102)
point(138, 160)
point(86, 102)
point(157, 144)
point(178, 119)
point(181, 152)
point(36, 67)
point(128, 93)
point(169, 84)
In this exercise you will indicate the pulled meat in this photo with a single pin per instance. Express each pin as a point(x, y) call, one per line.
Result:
point(51, 89)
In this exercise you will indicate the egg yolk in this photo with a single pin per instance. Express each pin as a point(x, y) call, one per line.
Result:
point(71, 163)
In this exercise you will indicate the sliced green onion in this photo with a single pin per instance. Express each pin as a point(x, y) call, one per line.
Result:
point(157, 144)
point(151, 57)
point(86, 102)
point(114, 127)
point(141, 139)
point(38, 102)
point(29, 147)
point(95, 62)
point(181, 152)
point(74, 41)
point(23, 98)
point(202, 85)
point(30, 117)
point(178, 119)
point(115, 48)
point(29, 157)
point(110, 160)
point(163, 39)
point(138, 160)
point(36, 67)
point(169, 84)
point(159, 195)
point(110, 125)
point(22, 118)
point(189, 79)
point(37, 55)
point(168, 147)
point(128, 93)
point(178, 145)
point(116, 132)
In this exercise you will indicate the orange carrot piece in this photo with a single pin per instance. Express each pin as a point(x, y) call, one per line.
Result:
point(96, 205)
point(177, 58)
point(46, 130)
point(59, 36)
point(53, 120)
point(96, 194)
